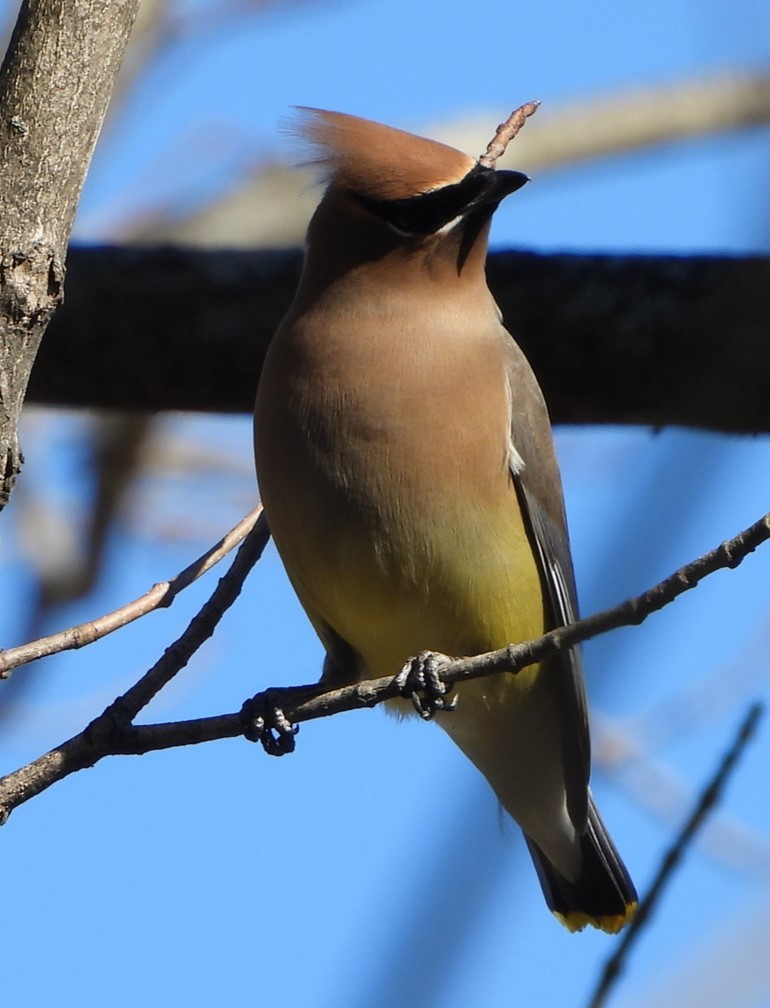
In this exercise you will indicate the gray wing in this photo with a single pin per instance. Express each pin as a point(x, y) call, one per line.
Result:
point(535, 475)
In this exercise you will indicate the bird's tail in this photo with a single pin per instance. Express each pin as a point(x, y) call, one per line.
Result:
point(603, 895)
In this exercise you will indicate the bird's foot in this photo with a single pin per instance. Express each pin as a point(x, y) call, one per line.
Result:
point(264, 721)
point(420, 681)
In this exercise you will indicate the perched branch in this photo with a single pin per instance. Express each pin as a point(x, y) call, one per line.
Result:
point(612, 339)
point(112, 732)
point(630, 613)
point(505, 132)
point(160, 596)
point(55, 83)
point(709, 798)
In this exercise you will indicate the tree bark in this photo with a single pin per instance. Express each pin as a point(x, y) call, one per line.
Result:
point(55, 84)
point(654, 340)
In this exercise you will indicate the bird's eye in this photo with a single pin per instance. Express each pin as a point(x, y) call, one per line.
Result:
point(399, 230)
point(427, 213)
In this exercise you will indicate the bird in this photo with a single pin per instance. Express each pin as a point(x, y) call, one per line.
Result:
point(407, 469)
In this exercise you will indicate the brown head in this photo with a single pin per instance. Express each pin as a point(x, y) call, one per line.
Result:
point(394, 195)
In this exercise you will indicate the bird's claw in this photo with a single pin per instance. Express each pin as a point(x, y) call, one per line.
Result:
point(265, 722)
point(420, 681)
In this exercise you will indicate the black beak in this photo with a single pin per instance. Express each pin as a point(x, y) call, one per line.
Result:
point(498, 185)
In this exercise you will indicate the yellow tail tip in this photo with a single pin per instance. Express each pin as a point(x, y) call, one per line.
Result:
point(611, 924)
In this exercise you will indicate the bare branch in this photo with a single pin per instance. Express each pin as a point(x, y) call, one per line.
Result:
point(506, 131)
point(517, 656)
point(160, 596)
point(709, 798)
point(112, 732)
point(126, 707)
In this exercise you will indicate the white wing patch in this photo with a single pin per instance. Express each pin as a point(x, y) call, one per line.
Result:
point(515, 461)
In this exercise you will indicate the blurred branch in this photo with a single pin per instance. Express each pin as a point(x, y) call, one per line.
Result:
point(151, 34)
point(593, 128)
point(114, 446)
point(725, 966)
point(708, 799)
point(113, 732)
point(55, 83)
point(655, 340)
point(606, 126)
point(160, 596)
point(160, 24)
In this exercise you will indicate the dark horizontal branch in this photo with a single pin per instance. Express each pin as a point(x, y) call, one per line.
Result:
point(655, 340)
point(113, 733)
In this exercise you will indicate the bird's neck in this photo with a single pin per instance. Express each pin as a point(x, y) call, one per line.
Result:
point(373, 262)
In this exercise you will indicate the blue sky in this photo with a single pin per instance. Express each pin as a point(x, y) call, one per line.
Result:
point(371, 868)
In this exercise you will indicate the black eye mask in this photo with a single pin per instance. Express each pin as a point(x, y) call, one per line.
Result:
point(427, 213)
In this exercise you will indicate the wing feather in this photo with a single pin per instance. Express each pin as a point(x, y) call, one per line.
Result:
point(535, 475)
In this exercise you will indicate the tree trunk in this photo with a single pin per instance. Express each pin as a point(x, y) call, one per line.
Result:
point(55, 84)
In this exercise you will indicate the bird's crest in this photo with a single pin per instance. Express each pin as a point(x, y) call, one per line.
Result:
point(376, 161)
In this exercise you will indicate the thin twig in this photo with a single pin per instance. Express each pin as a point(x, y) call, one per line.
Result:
point(201, 627)
point(709, 798)
point(112, 732)
point(506, 131)
point(160, 596)
point(109, 734)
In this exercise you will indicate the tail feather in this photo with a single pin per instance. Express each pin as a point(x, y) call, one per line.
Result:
point(603, 895)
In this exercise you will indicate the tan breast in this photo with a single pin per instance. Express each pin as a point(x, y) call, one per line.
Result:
point(383, 469)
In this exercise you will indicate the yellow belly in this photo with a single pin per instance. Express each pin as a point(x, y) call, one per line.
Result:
point(459, 584)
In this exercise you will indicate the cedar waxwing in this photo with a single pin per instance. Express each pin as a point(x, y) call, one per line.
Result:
point(407, 469)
